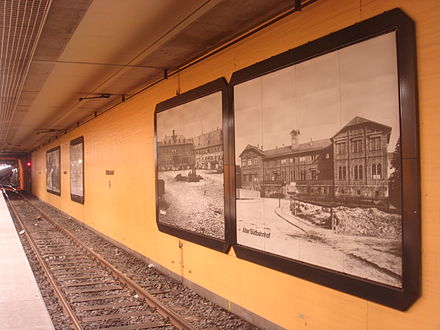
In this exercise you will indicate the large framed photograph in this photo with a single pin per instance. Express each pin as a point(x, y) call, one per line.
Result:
point(191, 158)
point(53, 171)
point(326, 161)
point(77, 170)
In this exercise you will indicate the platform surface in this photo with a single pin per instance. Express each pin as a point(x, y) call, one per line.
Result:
point(21, 304)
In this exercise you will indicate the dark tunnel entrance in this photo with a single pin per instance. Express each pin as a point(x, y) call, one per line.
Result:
point(9, 173)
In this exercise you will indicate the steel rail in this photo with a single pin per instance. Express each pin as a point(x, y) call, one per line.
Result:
point(163, 310)
point(68, 311)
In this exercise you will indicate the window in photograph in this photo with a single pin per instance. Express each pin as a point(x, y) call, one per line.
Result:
point(375, 143)
point(356, 146)
point(340, 148)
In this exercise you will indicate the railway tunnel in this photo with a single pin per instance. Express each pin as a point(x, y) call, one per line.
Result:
point(219, 164)
point(9, 174)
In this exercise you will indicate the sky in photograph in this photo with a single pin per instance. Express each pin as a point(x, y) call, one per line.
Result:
point(320, 96)
point(191, 119)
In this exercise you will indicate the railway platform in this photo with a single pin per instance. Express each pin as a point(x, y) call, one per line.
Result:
point(21, 304)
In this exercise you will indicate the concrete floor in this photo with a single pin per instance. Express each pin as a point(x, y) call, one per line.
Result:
point(21, 304)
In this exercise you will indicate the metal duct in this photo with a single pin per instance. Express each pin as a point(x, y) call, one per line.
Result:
point(21, 23)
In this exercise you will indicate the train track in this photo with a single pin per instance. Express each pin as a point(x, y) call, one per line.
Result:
point(92, 292)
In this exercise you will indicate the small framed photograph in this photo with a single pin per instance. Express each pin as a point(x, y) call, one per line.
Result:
point(53, 171)
point(77, 170)
point(191, 157)
point(326, 161)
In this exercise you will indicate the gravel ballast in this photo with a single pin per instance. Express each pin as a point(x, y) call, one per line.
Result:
point(197, 310)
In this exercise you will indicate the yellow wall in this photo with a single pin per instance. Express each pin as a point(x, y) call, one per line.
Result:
point(122, 140)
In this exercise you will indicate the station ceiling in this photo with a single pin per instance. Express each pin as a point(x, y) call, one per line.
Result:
point(54, 52)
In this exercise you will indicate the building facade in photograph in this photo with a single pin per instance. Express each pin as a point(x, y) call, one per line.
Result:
point(205, 151)
point(353, 164)
point(208, 149)
point(175, 152)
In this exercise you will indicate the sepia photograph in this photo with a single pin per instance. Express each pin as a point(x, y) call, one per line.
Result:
point(190, 176)
point(53, 171)
point(77, 170)
point(318, 162)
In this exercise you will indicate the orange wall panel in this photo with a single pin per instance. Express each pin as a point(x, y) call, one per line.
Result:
point(122, 140)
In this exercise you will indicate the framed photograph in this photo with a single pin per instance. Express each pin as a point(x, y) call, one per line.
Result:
point(53, 171)
point(191, 166)
point(326, 161)
point(77, 170)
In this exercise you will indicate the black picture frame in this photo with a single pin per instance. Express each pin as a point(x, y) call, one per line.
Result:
point(218, 85)
point(49, 167)
point(75, 197)
point(400, 298)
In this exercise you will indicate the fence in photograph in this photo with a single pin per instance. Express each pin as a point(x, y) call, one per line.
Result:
point(347, 220)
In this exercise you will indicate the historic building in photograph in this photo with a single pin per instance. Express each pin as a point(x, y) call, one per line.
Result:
point(205, 151)
point(351, 164)
point(209, 150)
point(175, 152)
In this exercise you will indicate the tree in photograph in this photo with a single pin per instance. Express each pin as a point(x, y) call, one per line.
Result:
point(395, 182)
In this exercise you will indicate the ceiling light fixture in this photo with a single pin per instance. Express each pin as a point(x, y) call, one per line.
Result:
point(50, 130)
point(100, 96)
